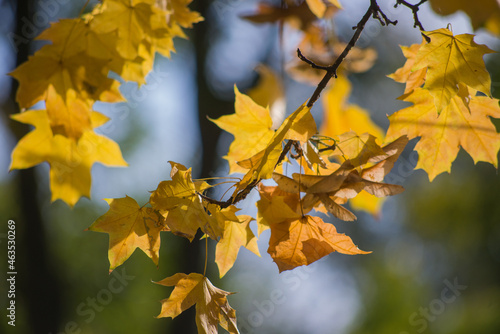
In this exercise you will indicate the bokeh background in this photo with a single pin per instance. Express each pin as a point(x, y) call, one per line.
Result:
point(435, 266)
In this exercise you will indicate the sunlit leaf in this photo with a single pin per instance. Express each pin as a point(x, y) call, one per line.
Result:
point(452, 60)
point(212, 307)
point(457, 126)
point(130, 227)
point(70, 161)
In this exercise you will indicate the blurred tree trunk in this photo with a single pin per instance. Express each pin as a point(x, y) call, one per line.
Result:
point(37, 282)
point(193, 254)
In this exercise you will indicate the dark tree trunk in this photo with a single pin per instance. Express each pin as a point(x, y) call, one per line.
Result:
point(37, 283)
point(208, 105)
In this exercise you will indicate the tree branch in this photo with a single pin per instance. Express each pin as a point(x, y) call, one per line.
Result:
point(373, 11)
point(414, 9)
point(310, 62)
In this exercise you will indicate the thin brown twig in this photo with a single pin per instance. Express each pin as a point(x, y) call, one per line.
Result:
point(373, 11)
point(310, 62)
point(83, 8)
point(414, 8)
point(244, 192)
point(206, 257)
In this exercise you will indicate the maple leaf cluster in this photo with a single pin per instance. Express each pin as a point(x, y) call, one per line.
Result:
point(444, 81)
point(180, 206)
point(71, 73)
point(344, 161)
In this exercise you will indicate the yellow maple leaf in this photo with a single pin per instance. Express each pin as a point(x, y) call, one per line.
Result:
point(130, 227)
point(319, 7)
point(269, 92)
point(212, 307)
point(86, 77)
point(300, 126)
point(359, 149)
point(237, 233)
point(450, 61)
point(67, 78)
point(405, 74)
point(457, 125)
point(305, 240)
point(76, 36)
point(183, 208)
point(137, 69)
point(180, 15)
point(251, 126)
point(134, 21)
point(341, 117)
point(70, 161)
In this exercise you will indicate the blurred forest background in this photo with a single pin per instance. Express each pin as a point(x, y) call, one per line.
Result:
point(435, 266)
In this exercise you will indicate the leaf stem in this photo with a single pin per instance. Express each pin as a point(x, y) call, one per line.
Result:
point(206, 257)
point(83, 8)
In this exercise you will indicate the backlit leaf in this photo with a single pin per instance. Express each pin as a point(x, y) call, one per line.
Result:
point(442, 136)
point(130, 227)
point(212, 306)
point(178, 201)
point(341, 117)
point(251, 126)
point(236, 234)
point(70, 161)
point(450, 61)
point(305, 240)
point(299, 126)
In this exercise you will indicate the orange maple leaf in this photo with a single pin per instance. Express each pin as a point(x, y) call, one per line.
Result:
point(276, 205)
point(305, 240)
point(335, 184)
point(297, 239)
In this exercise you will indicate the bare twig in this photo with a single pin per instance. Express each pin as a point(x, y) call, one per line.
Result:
point(373, 11)
point(244, 192)
point(414, 9)
point(310, 62)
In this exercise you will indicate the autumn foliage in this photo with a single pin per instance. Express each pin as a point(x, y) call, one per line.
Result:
point(344, 161)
